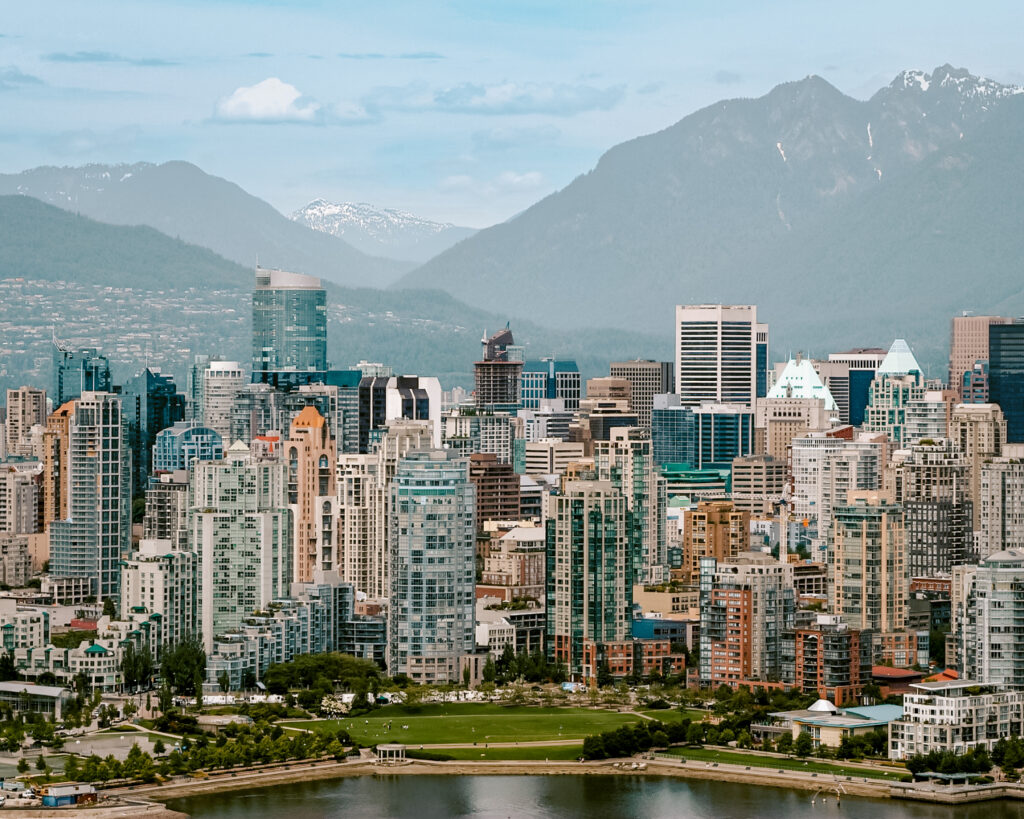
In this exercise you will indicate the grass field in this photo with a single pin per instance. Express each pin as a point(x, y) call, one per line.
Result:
point(527, 752)
point(756, 761)
point(472, 722)
point(668, 715)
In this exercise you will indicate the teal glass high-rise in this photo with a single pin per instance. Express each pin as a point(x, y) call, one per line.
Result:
point(289, 322)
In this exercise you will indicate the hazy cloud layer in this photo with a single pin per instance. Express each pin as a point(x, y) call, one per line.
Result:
point(505, 182)
point(270, 101)
point(12, 77)
point(105, 57)
point(503, 139)
point(556, 99)
point(725, 77)
point(377, 55)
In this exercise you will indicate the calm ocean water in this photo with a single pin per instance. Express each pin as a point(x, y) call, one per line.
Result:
point(542, 797)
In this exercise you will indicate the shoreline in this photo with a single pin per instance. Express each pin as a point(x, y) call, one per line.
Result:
point(794, 780)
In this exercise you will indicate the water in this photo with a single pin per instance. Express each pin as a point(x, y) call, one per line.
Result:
point(544, 797)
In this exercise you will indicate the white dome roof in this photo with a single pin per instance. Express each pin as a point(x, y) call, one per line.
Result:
point(824, 706)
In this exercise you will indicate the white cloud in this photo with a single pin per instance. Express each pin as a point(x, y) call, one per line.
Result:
point(556, 99)
point(269, 101)
point(507, 182)
point(510, 180)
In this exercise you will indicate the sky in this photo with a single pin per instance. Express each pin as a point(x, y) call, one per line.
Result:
point(466, 111)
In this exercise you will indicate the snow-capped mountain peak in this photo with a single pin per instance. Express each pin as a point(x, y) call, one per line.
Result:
point(960, 80)
point(381, 231)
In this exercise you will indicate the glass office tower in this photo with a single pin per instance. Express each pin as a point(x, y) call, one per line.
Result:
point(289, 322)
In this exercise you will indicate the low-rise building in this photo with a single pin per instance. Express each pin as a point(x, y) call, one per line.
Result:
point(22, 698)
point(957, 716)
point(828, 726)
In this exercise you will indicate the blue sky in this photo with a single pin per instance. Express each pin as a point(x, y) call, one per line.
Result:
point(467, 111)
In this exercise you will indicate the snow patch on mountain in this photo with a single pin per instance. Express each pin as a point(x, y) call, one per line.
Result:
point(381, 230)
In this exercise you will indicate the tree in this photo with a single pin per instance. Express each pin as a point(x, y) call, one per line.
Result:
point(23, 766)
point(466, 677)
point(158, 746)
point(8, 670)
point(224, 681)
point(490, 671)
point(136, 665)
point(71, 768)
point(197, 686)
point(804, 745)
point(165, 699)
point(785, 744)
point(40, 763)
point(109, 610)
point(183, 663)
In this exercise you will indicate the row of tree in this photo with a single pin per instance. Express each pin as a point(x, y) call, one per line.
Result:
point(946, 762)
point(237, 746)
point(530, 667)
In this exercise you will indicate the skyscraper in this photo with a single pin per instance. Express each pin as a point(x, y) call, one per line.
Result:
point(221, 382)
point(403, 397)
point(310, 452)
point(898, 381)
point(240, 527)
point(363, 483)
point(496, 376)
point(78, 371)
point(979, 430)
point(626, 461)
point(183, 442)
point(868, 572)
point(721, 354)
point(150, 402)
point(1001, 502)
point(1006, 375)
point(968, 346)
point(991, 637)
point(591, 569)
point(647, 379)
point(94, 537)
point(549, 379)
point(26, 407)
point(934, 484)
point(432, 540)
point(862, 363)
point(746, 604)
point(714, 529)
point(289, 322)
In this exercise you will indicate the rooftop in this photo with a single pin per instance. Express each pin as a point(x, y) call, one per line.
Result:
point(799, 379)
point(309, 417)
point(32, 690)
point(899, 360)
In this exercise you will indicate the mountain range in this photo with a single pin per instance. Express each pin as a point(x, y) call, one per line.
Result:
point(384, 231)
point(847, 222)
point(142, 296)
point(182, 201)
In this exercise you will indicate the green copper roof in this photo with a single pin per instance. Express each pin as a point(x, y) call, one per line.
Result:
point(899, 360)
point(799, 379)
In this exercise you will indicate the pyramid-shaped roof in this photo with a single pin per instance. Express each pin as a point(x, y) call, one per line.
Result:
point(309, 417)
point(799, 379)
point(899, 360)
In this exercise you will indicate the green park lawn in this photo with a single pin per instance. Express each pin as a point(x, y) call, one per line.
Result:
point(471, 722)
point(790, 764)
point(668, 715)
point(521, 752)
